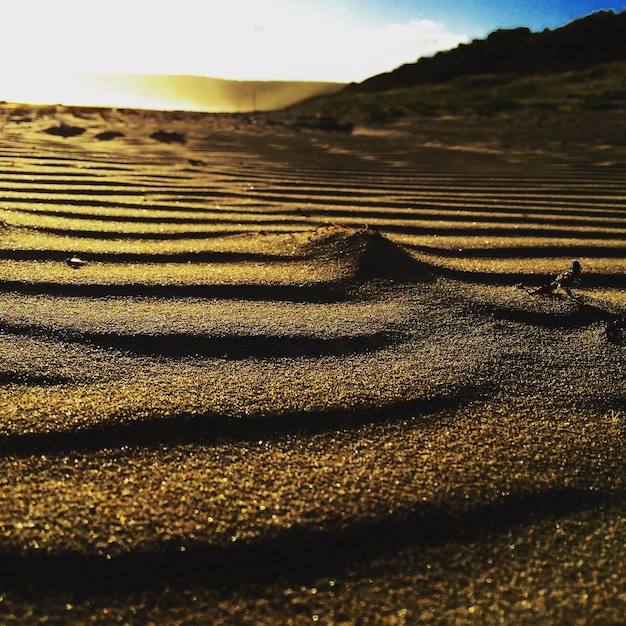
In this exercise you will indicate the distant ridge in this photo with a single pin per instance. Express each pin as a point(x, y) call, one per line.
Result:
point(583, 43)
point(200, 93)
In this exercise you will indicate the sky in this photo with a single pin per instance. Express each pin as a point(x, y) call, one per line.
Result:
point(43, 42)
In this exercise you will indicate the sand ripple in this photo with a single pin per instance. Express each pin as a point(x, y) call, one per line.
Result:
point(298, 376)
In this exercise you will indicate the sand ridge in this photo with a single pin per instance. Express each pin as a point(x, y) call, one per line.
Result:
point(295, 380)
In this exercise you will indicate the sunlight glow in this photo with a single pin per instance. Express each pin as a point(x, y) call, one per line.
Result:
point(239, 39)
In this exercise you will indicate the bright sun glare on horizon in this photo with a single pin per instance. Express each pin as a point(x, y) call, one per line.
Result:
point(52, 46)
point(53, 49)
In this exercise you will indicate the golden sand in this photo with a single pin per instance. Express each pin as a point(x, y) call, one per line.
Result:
point(299, 377)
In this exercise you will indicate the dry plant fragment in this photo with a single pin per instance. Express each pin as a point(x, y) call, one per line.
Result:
point(564, 281)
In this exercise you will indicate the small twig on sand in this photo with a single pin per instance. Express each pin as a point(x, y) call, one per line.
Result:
point(564, 281)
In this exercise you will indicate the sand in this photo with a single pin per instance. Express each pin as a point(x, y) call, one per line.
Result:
point(297, 376)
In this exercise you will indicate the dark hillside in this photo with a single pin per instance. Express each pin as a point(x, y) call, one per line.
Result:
point(595, 39)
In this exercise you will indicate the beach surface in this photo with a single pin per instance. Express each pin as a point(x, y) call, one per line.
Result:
point(258, 372)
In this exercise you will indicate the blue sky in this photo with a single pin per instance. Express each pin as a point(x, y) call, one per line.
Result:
point(42, 41)
point(479, 18)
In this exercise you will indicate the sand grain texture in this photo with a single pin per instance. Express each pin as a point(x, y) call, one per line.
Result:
point(295, 380)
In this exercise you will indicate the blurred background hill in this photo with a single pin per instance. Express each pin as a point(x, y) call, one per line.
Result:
point(578, 67)
point(199, 93)
point(165, 92)
point(595, 39)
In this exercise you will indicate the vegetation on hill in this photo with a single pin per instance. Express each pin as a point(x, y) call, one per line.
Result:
point(599, 88)
point(587, 42)
point(579, 67)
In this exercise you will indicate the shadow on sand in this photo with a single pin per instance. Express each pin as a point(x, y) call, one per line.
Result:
point(232, 347)
point(210, 428)
point(299, 553)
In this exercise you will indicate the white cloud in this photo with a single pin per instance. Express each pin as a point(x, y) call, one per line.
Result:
point(391, 45)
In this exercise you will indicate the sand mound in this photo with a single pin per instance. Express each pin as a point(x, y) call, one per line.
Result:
point(368, 254)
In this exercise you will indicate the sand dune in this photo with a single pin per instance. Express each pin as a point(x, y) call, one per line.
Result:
point(298, 375)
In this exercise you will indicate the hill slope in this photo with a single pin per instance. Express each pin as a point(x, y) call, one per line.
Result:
point(595, 39)
point(579, 68)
